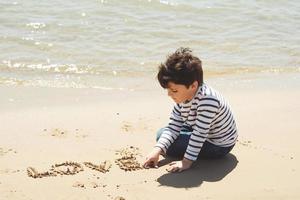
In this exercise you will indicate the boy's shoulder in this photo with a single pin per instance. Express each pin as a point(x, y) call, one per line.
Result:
point(207, 95)
point(207, 91)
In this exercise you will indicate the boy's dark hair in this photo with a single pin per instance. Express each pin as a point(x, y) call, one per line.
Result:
point(182, 68)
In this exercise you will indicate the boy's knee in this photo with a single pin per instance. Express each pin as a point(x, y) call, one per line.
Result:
point(158, 134)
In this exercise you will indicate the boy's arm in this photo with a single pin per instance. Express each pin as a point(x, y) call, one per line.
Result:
point(171, 132)
point(206, 112)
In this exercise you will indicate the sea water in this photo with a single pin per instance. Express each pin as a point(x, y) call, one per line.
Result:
point(111, 44)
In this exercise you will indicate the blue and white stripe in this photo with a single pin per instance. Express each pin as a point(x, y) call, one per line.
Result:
point(210, 117)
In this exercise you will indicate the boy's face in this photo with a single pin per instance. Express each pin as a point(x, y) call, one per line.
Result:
point(180, 93)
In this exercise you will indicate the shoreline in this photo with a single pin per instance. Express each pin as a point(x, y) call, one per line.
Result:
point(145, 81)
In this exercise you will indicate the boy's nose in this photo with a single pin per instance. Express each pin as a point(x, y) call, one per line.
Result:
point(169, 93)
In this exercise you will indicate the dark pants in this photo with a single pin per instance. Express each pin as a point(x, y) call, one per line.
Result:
point(208, 150)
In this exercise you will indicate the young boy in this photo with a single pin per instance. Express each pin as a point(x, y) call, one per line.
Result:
point(201, 123)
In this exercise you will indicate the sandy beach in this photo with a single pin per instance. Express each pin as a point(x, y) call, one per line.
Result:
point(80, 105)
point(41, 127)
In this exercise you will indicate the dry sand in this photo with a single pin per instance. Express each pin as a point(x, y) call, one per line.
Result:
point(41, 127)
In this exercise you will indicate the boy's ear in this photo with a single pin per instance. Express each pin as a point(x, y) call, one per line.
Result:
point(194, 85)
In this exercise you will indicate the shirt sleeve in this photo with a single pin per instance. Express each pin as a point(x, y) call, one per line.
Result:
point(171, 132)
point(206, 112)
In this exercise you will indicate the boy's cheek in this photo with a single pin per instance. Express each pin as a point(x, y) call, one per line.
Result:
point(176, 100)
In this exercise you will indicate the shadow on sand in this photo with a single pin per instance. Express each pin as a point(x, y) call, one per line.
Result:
point(203, 170)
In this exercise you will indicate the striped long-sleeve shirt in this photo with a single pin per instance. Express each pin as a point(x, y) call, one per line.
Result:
point(209, 116)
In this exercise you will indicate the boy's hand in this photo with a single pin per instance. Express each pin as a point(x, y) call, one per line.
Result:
point(179, 166)
point(152, 158)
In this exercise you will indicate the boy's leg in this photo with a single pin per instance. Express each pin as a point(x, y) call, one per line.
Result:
point(178, 148)
point(208, 150)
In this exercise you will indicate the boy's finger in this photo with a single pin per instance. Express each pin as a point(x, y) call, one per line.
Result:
point(146, 164)
point(172, 163)
point(175, 169)
point(155, 164)
point(171, 169)
point(168, 169)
